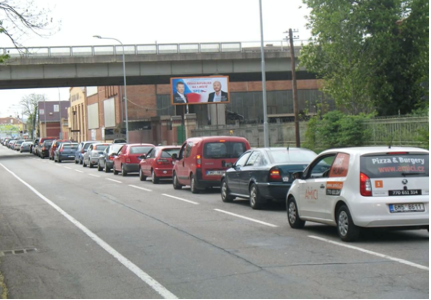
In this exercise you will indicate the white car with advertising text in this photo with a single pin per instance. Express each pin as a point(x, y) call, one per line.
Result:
point(370, 187)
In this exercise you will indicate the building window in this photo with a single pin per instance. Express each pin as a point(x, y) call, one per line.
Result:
point(56, 108)
point(41, 111)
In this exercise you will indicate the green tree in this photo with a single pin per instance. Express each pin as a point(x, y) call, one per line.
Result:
point(29, 104)
point(372, 54)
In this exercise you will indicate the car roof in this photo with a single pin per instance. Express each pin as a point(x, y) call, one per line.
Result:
point(374, 150)
point(140, 145)
point(216, 138)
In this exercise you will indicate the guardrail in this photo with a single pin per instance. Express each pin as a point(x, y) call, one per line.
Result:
point(150, 49)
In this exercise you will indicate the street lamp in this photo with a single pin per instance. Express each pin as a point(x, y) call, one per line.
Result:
point(262, 54)
point(125, 85)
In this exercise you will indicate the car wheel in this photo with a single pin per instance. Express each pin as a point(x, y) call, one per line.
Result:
point(256, 200)
point(123, 171)
point(141, 176)
point(83, 163)
point(154, 177)
point(225, 193)
point(59, 161)
point(76, 162)
point(175, 183)
point(193, 187)
point(293, 214)
point(106, 169)
point(114, 171)
point(99, 168)
point(347, 230)
point(90, 165)
point(20, 151)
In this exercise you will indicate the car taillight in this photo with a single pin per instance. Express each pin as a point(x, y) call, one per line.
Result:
point(365, 185)
point(274, 175)
point(82, 151)
point(43, 148)
point(111, 158)
point(198, 161)
point(162, 162)
point(61, 150)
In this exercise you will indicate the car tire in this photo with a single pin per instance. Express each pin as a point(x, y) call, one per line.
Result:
point(106, 169)
point(154, 177)
point(193, 187)
point(20, 151)
point(114, 171)
point(225, 193)
point(59, 161)
point(90, 165)
point(83, 163)
point(293, 214)
point(175, 183)
point(347, 230)
point(76, 162)
point(141, 175)
point(123, 171)
point(99, 168)
point(256, 201)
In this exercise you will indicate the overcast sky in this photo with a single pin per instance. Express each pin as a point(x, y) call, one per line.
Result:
point(164, 21)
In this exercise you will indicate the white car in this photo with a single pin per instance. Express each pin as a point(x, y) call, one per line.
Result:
point(362, 187)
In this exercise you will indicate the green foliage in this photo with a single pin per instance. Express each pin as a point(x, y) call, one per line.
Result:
point(336, 129)
point(372, 54)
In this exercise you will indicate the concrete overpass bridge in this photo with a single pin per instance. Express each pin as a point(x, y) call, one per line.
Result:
point(36, 67)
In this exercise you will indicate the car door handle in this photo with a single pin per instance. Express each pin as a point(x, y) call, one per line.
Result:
point(322, 186)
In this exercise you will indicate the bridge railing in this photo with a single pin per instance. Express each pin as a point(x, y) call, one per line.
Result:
point(85, 51)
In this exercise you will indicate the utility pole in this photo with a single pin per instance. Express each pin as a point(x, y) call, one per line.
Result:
point(294, 89)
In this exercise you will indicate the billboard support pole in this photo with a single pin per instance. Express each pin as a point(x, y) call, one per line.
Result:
point(265, 116)
point(183, 123)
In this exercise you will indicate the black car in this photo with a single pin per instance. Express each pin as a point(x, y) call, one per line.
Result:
point(106, 160)
point(44, 151)
point(264, 174)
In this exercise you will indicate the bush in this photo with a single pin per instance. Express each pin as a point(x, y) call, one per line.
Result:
point(336, 129)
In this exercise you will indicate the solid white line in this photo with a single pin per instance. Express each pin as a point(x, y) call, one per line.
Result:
point(127, 263)
point(68, 168)
point(79, 171)
point(246, 218)
point(113, 180)
point(192, 202)
point(401, 261)
point(94, 175)
point(141, 188)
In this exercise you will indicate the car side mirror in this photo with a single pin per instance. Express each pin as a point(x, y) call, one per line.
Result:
point(175, 156)
point(143, 156)
point(228, 165)
point(298, 175)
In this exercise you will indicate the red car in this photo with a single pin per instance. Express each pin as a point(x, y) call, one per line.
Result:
point(54, 146)
point(127, 159)
point(157, 163)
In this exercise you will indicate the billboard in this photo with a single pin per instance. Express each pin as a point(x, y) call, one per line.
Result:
point(200, 90)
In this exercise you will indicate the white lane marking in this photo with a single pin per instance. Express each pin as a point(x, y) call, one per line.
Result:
point(113, 180)
point(188, 201)
point(68, 168)
point(127, 263)
point(79, 171)
point(401, 261)
point(141, 188)
point(94, 175)
point(246, 218)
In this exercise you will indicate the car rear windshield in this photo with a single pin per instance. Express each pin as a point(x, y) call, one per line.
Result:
point(100, 147)
point(167, 153)
point(139, 150)
point(224, 149)
point(399, 165)
point(69, 146)
point(114, 148)
point(281, 155)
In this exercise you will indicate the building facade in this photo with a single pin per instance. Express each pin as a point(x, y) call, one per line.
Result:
point(50, 115)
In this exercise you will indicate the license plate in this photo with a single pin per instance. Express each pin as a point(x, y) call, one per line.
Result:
point(215, 172)
point(400, 208)
point(71, 156)
point(405, 192)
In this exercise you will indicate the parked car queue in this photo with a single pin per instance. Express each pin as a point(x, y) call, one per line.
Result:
point(349, 188)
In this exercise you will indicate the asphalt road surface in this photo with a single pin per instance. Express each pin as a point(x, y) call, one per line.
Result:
point(73, 232)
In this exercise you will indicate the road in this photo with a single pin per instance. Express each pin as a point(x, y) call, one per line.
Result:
point(79, 233)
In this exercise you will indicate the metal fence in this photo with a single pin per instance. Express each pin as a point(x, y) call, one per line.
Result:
point(402, 131)
point(151, 49)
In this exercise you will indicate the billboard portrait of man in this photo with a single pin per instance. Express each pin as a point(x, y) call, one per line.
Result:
point(218, 95)
point(179, 96)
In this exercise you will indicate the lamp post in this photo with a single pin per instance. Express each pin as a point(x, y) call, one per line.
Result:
point(125, 85)
point(265, 116)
